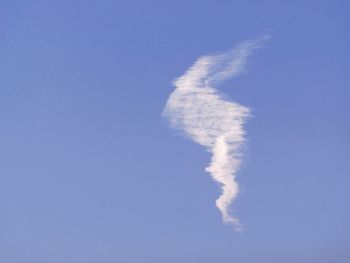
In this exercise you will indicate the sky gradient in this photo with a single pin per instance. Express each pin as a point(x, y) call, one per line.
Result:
point(90, 171)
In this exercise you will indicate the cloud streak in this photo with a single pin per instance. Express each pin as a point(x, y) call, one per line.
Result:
point(200, 111)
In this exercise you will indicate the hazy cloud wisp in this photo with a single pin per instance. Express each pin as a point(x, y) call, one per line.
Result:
point(197, 108)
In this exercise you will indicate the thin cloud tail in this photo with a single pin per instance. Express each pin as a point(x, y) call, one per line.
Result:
point(223, 169)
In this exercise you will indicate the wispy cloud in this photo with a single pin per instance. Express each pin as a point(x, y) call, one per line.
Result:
point(197, 108)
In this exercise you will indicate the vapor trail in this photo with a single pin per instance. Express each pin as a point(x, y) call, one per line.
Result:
point(197, 108)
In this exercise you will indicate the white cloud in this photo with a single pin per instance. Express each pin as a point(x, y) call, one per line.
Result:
point(197, 108)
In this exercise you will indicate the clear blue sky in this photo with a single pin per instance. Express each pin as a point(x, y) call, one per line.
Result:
point(90, 172)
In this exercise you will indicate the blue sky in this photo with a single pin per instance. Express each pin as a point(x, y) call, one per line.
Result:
point(91, 172)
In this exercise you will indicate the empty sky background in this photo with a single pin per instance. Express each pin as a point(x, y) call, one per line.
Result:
point(90, 172)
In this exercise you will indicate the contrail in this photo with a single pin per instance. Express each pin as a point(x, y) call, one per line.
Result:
point(197, 108)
